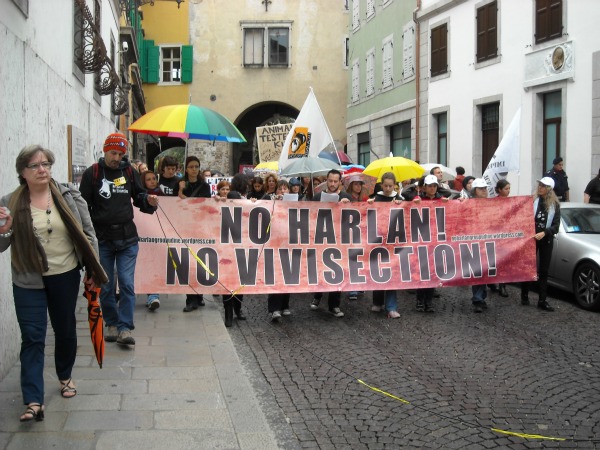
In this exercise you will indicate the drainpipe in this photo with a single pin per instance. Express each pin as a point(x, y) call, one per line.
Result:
point(417, 80)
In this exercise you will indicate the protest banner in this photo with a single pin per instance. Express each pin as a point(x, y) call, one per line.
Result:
point(270, 141)
point(277, 246)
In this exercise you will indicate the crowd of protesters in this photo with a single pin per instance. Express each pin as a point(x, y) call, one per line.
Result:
point(102, 237)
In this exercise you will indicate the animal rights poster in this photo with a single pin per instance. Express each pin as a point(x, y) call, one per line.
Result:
point(270, 140)
point(216, 247)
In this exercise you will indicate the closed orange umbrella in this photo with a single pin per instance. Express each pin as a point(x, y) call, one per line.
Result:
point(95, 321)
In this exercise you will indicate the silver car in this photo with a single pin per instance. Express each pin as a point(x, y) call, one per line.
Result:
point(575, 264)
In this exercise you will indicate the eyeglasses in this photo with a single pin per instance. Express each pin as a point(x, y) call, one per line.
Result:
point(46, 165)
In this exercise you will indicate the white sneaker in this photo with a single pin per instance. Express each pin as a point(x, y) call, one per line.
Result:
point(154, 304)
point(275, 316)
point(286, 312)
point(393, 315)
point(375, 308)
point(111, 334)
point(315, 303)
point(336, 312)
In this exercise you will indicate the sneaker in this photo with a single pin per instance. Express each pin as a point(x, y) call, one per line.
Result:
point(154, 304)
point(429, 309)
point(545, 306)
point(336, 312)
point(420, 306)
point(477, 307)
point(111, 334)
point(125, 338)
point(315, 303)
point(393, 315)
point(353, 296)
point(275, 316)
point(375, 308)
point(286, 312)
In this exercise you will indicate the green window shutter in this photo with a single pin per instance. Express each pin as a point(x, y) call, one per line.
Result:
point(153, 64)
point(144, 58)
point(187, 62)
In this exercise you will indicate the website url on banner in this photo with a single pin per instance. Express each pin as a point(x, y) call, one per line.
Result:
point(482, 237)
point(155, 240)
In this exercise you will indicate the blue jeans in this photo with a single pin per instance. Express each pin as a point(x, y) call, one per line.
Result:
point(391, 302)
point(121, 315)
point(58, 300)
point(479, 293)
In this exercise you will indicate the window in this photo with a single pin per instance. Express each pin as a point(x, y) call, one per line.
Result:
point(98, 23)
point(548, 20)
point(78, 42)
point(490, 131)
point(370, 73)
point(355, 15)
point(355, 82)
point(388, 63)
point(400, 139)
point(552, 124)
point(487, 32)
point(364, 149)
point(346, 61)
point(266, 45)
point(442, 138)
point(439, 51)
point(170, 63)
point(370, 8)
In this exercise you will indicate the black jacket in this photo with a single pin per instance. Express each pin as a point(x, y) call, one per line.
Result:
point(109, 200)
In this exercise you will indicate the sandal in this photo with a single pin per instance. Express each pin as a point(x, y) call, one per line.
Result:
point(31, 414)
point(67, 390)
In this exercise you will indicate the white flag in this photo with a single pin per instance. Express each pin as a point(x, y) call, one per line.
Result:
point(309, 135)
point(506, 156)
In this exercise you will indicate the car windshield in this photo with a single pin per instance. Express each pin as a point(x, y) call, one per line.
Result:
point(581, 220)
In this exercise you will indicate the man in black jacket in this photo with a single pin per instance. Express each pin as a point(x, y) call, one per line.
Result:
point(561, 181)
point(109, 187)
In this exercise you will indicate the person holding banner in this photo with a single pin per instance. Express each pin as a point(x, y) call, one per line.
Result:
point(257, 190)
point(334, 182)
point(193, 185)
point(270, 185)
point(502, 191)
point(546, 209)
point(223, 188)
point(233, 303)
point(429, 192)
point(390, 195)
point(480, 190)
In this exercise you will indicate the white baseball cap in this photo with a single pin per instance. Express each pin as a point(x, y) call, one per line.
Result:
point(479, 183)
point(430, 179)
point(547, 181)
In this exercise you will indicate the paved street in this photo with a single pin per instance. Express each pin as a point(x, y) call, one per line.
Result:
point(514, 368)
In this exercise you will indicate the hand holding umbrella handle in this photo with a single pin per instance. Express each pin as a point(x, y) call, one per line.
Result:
point(88, 282)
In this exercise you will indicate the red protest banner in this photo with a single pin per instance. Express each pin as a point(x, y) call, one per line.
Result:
point(276, 246)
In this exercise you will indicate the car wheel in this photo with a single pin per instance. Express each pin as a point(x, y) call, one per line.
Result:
point(586, 286)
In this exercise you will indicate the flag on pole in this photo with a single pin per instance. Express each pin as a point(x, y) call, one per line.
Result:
point(308, 136)
point(506, 156)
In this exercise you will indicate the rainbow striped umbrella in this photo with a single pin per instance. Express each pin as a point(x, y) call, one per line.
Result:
point(188, 122)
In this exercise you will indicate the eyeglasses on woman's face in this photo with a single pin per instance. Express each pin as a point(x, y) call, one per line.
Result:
point(47, 165)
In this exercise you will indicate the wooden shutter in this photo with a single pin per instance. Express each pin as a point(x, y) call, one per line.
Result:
point(487, 32)
point(408, 57)
point(548, 20)
point(439, 49)
point(355, 82)
point(153, 63)
point(370, 73)
point(388, 63)
point(187, 62)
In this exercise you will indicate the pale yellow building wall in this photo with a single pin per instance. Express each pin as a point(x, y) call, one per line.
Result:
point(317, 57)
point(166, 24)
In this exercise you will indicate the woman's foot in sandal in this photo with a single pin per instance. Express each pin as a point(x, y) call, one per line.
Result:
point(34, 411)
point(68, 388)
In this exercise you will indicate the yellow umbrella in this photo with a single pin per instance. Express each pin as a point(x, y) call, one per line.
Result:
point(402, 168)
point(267, 166)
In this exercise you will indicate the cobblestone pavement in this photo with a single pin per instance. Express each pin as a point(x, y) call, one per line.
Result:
point(512, 367)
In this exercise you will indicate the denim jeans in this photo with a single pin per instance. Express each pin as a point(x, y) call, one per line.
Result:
point(118, 315)
point(479, 293)
point(391, 302)
point(58, 300)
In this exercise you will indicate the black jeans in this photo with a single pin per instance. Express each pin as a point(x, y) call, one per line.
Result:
point(543, 249)
point(278, 302)
point(334, 299)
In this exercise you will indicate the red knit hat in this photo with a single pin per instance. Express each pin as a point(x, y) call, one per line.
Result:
point(116, 141)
